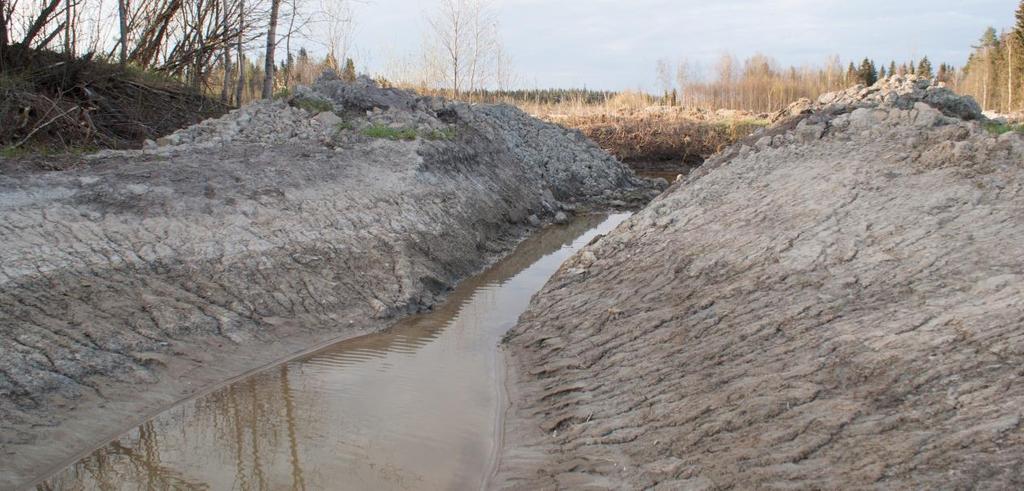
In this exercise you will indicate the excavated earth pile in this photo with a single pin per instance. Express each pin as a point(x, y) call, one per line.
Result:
point(141, 277)
point(836, 303)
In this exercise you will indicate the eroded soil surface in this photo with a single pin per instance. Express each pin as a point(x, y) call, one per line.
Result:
point(137, 278)
point(836, 303)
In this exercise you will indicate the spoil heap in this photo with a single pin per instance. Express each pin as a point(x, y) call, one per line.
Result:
point(836, 302)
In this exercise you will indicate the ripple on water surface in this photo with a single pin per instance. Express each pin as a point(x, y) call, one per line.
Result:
point(414, 407)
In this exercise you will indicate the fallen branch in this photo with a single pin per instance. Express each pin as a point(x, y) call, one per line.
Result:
point(37, 128)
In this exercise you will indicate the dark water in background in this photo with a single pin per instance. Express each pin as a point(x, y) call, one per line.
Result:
point(415, 407)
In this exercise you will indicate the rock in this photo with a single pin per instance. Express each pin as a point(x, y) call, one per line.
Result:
point(534, 221)
point(328, 119)
point(561, 218)
point(167, 141)
point(809, 132)
point(927, 116)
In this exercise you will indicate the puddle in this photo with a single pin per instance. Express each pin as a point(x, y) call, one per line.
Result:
point(414, 407)
point(669, 176)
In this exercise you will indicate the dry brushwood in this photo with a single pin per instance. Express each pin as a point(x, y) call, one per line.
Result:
point(55, 102)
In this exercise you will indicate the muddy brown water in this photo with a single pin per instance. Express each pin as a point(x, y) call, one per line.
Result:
point(414, 407)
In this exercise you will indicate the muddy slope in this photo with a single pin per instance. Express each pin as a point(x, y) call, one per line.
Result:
point(144, 276)
point(838, 303)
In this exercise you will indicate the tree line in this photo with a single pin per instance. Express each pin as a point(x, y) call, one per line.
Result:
point(994, 74)
point(761, 84)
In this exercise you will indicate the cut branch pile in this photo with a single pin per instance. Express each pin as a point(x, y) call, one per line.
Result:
point(51, 101)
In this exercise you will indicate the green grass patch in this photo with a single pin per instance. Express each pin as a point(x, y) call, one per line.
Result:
point(313, 106)
point(37, 150)
point(1003, 128)
point(755, 122)
point(283, 93)
point(11, 152)
point(14, 82)
point(447, 134)
point(344, 126)
point(389, 133)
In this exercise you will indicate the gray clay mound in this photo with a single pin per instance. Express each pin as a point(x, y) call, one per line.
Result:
point(837, 303)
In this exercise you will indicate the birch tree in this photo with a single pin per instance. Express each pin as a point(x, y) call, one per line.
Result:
point(464, 46)
point(269, 66)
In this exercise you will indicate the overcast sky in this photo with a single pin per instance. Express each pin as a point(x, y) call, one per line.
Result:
point(614, 44)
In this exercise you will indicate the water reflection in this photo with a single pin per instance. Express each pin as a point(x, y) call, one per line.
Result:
point(410, 408)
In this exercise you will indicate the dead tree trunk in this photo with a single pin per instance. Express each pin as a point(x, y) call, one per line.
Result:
point(288, 46)
point(3, 33)
point(240, 58)
point(1009, 74)
point(268, 80)
point(225, 88)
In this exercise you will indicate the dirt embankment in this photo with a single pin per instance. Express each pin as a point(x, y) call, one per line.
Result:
point(661, 139)
point(837, 302)
point(141, 277)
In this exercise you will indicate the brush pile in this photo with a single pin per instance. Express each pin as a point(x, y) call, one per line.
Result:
point(50, 101)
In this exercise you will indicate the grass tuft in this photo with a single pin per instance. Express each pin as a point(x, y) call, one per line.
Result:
point(312, 106)
point(389, 133)
point(1003, 128)
point(446, 134)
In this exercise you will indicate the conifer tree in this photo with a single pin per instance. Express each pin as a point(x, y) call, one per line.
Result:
point(1019, 28)
point(925, 68)
point(851, 74)
point(892, 68)
point(349, 75)
point(912, 68)
point(867, 74)
point(881, 73)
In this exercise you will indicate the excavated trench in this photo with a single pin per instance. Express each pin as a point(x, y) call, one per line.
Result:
point(415, 407)
point(138, 279)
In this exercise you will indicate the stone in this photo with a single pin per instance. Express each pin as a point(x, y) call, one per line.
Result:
point(328, 119)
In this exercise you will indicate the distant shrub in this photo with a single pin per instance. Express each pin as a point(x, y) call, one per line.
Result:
point(283, 94)
point(630, 100)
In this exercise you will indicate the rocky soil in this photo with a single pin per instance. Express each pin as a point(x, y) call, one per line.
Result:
point(137, 278)
point(835, 303)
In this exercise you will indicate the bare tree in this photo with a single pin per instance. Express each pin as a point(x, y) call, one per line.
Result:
point(240, 50)
point(337, 15)
point(225, 89)
point(269, 67)
point(683, 81)
point(664, 74)
point(465, 45)
point(449, 28)
point(484, 45)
